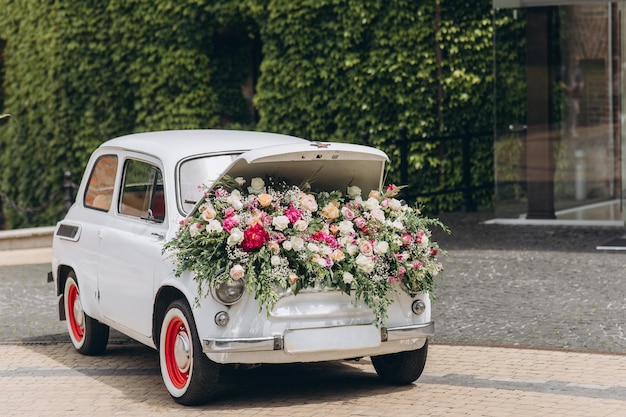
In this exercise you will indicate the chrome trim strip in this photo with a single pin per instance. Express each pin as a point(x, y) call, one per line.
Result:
point(249, 344)
point(412, 331)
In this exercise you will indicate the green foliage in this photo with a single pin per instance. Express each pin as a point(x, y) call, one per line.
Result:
point(78, 72)
point(333, 69)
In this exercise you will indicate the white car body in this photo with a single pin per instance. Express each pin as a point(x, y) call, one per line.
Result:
point(126, 281)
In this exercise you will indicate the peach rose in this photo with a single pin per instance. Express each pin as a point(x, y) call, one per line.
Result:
point(331, 210)
point(337, 255)
point(264, 199)
point(237, 272)
point(292, 278)
point(374, 194)
point(208, 213)
point(366, 248)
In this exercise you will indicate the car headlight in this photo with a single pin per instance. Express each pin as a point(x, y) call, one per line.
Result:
point(229, 292)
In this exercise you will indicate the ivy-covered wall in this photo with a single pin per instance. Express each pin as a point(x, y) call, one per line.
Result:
point(78, 72)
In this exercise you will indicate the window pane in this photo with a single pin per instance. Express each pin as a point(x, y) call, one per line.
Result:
point(101, 183)
point(199, 171)
point(142, 191)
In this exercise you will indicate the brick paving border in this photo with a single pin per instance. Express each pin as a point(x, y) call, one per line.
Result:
point(53, 380)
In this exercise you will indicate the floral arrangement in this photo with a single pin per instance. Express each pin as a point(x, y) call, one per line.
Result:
point(279, 237)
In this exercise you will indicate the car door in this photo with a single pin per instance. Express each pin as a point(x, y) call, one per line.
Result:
point(131, 247)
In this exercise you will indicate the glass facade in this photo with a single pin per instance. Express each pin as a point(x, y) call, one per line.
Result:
point(559, 109)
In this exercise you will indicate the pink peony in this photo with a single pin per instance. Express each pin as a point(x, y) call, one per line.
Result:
point(293, 214)
point(229, 223)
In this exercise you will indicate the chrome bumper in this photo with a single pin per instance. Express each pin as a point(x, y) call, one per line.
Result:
point(276, 342)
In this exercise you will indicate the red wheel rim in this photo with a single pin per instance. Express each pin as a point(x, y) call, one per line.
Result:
point(176, 345)
point(74, 309)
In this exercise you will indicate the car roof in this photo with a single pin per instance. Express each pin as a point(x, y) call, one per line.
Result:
point(173, 145)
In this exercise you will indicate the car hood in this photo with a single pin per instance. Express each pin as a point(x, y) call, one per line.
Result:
point(325, 166)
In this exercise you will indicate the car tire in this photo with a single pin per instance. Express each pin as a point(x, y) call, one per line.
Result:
point(89, 336)
point(189, 375)
point(401, 368)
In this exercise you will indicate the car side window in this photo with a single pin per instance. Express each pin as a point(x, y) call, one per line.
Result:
point(142, 191)
point(99, 191)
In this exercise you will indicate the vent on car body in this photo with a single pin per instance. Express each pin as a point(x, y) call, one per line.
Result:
point(68, 231)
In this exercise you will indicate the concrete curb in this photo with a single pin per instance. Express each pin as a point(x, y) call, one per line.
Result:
point(37, 237)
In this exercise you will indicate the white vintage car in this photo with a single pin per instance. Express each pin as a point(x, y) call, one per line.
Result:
point(111, 270)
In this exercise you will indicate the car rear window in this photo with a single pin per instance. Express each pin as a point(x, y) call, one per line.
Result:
point(196, 172)
point(99, 192)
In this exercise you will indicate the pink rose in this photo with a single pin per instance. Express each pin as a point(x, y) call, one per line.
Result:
point(347, 213)
point(360, 222)
point(407, 239)
point(366, 248)
point(392, 189)
point(220, 192)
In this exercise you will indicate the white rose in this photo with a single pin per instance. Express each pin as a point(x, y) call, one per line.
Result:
point(297, 243)
point(275, 260)
point(371, 204)
point(257, 186)
point(423, 243)
point(397, 224)
point(354, 192)
point(344, 241)
point(313, 247)
point(352, 249)
point(364, 263)
point(300, 225)
point(381, 247)
point(234, 199)
point(214, 226)
point(194, 229)
point(395, 204)
point(280, 222)
point(346, 228)
point(287, 245)
point(378, 214)
point(308, 202)
point(348, 278)
point(236, 236)
point(237, 272)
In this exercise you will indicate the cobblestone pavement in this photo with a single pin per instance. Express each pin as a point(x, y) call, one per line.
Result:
point(533, 286)
point(530, 322)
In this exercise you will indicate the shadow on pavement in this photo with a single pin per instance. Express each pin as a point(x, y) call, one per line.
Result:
point(130, 364)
